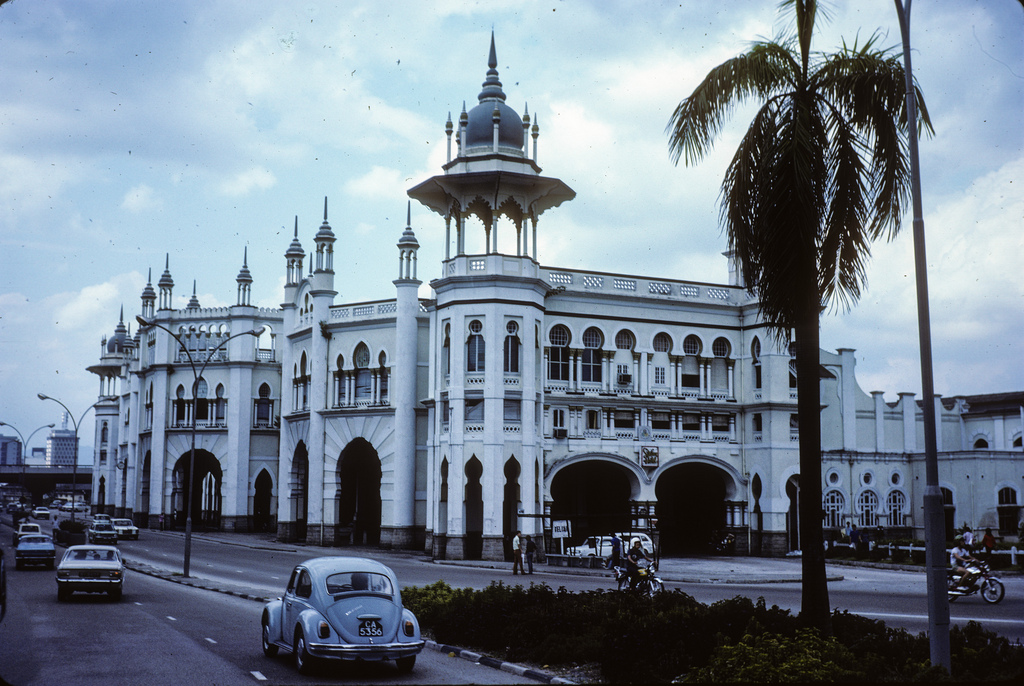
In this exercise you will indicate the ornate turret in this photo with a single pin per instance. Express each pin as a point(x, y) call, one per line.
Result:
point(294, 257)
point(244, 280)
point(193, 302)
point(325, 246)
point(492, 176)
point(166, 285)
point(148, 297)
point(407, 247)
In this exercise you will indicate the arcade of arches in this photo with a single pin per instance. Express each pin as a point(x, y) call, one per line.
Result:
point(694, 501)
point(205, 490)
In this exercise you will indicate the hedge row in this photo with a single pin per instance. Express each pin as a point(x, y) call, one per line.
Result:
point(636, 639)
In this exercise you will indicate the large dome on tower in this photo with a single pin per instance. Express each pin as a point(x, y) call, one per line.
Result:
point(480, 126)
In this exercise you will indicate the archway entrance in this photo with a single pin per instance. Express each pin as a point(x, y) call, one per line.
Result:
point(691, 507)
point(510, 506)
point(300, 490)
point(793, 514)
point(205, 491)
point(594, 496)
point(359, 494)
point(473, 547)
point(263, 487)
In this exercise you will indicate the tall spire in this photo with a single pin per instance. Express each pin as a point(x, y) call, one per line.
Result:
point(244, 280)
point(193, 303)
point(294, 256)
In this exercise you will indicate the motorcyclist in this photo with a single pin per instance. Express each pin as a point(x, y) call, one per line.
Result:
point(635, 553)
point(959, 557)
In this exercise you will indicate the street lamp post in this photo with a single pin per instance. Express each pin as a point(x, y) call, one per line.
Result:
point(197, 374)
point(935, 550)
point(74, 463)
point(24, 445)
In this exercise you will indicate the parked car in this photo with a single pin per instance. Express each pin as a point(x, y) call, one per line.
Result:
point(41, 513)
point(34, 549)
point(342, 608)
point(102, 532)
point(78, 508)
point(101, 517)
point(24, 530)
point(125, 528)
point(90, 569)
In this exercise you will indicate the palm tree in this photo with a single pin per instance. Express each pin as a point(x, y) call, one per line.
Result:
point(821, 172)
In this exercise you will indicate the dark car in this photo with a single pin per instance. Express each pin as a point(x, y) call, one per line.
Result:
point(34, 549)
point(342, 608)
point(102, 532)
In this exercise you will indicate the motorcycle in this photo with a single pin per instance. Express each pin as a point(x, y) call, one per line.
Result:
point(722, 544)
point(979, 579)
point(648, 580)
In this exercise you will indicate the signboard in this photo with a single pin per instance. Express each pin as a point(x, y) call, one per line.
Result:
point(649, 456)
point(560, 528)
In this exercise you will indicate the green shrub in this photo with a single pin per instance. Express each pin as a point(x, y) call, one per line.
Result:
point(72, 527)
point(770, 658)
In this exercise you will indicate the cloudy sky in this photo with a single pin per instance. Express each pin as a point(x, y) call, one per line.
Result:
point(134, 130)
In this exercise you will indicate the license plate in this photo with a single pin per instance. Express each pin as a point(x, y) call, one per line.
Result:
point(371, 627)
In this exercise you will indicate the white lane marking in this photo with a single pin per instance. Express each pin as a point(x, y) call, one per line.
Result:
point(173, 619)
point(212, 641)
point(259, 676)
point(138, 603)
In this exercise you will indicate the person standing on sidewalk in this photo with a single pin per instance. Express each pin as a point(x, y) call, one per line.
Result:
point(517, 554)
point(531, 550)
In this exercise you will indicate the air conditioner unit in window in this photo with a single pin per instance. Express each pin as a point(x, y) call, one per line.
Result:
point(560, 433)
point(625, 379)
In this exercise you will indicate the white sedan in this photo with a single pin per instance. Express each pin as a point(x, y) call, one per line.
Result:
point(126, 528)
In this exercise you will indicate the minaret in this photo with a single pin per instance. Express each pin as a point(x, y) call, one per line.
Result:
point(244, 280)
point(166, 286)
point(325, 246)
point(193, 302)
point(403, 384)
point(294, 257)
point(148, 297)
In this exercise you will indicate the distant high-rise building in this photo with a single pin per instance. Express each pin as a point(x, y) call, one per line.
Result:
point(10, 451)
point(60, 446)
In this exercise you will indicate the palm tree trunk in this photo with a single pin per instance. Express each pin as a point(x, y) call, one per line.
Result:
point(815, 609)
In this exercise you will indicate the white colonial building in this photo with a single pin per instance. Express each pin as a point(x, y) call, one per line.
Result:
point(517, 395)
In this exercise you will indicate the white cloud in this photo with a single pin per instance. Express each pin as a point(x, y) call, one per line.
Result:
point(141, 198)
point(250, 179)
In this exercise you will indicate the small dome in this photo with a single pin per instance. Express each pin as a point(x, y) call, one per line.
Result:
point(480, 127)
point(116, 343)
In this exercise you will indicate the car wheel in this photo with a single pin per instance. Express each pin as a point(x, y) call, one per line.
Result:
point(303, 660)
point(17, 564)
point(116, 593)
point(269, 648)
point(63, 594)
point(405, 664)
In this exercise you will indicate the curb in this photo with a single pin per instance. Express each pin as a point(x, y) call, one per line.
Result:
point(510, 667)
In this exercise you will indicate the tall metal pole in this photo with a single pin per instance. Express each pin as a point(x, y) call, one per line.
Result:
point(935, 535)
point(197, 374)
point(74, 463)
point(24, 445)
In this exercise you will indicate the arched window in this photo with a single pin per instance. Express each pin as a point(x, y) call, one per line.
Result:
point(867, 509)
point(1008, 510)
point(721, 347)
point(202, 404)
point(558, 358)
point(692, 345)
point(339, 381)
point(264, 407)
point(220, 406)
point(475, 347)
point(662, 343)
point(834, 508)
point(104, 433)
point(180, 413)
point(592, 340)
point(361, 358)
point(755, 358)
point(981, 444)
point(896, 507)
point(624, 340)
point(382, 360)
point(447, 345)
point(512, 348)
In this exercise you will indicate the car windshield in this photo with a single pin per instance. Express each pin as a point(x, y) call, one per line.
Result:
point(122, 522)
point(92, 555)
point(103, 526)
point(35, 539)
point(346, 582)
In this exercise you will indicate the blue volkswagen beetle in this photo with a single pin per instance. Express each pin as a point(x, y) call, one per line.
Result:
point(342, 608)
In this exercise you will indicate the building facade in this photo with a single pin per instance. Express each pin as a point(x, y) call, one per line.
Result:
point(515, 396)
